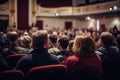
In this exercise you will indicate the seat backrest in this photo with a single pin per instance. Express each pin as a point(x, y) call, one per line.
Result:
point(48, 72)
point(12, 75)
point(13, 59)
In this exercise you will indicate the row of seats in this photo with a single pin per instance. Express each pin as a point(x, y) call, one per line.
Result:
point(48, 72)
point(13, 59)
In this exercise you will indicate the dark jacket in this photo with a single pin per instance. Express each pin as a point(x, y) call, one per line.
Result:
point(63, 55)
point(3, 64)
point(13, 49)
point(110, 62)
point(38, 57)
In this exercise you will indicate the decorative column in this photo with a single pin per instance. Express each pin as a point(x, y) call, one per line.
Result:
point(12, 12)
point(34, 4)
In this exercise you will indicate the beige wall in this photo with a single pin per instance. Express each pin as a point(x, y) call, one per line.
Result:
point(49, 23)
point(110, 22)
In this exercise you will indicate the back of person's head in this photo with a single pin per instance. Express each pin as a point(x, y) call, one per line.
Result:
point(115, 28)
point(70, 45)
point(40, 38)
point(12, 36)
point(107, 39)
point(26, 40)
point(84, 46)
point(1, 33)
point(63, 41)
point(53, 38)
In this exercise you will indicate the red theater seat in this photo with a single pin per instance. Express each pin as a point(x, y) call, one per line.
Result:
point(12, 75)
point(13, 59)
point(49, 72)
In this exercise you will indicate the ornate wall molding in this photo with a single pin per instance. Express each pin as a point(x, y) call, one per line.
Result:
point(96, 8)
point(4, 7)
point(12, 12)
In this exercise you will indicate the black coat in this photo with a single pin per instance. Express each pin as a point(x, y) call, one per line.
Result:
point(38, 57)
point(111, 62)
point(3, 64)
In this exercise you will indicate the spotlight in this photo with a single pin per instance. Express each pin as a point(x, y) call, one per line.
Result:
point(88, 18)
point(110, 9)
point(57, 14)
point(115, 7)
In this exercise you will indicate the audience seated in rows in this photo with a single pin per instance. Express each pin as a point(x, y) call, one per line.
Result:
point(83, 61)
point(39, 56)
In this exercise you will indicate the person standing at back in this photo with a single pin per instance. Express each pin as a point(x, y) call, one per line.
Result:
point(39, 56)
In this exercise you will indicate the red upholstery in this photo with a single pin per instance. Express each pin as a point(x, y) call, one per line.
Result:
point(12, 75)
point(49, 72)
point(13, 59)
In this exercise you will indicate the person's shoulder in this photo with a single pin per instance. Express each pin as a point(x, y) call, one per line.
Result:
point(53, 55)
point(26, 58)
point(5, 49)
point(54, 50)
point(100, 51)
point(20, 48)
point(54, 58)
point(74, 58)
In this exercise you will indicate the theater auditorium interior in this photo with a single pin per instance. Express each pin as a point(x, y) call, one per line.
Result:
point(59, 39)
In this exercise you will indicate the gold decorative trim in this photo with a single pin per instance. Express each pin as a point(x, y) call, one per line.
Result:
point(78, 10)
